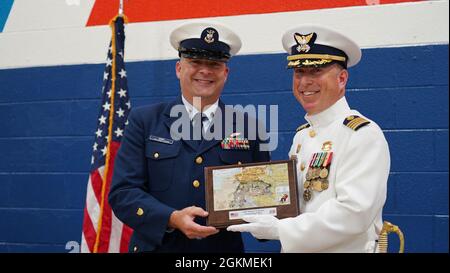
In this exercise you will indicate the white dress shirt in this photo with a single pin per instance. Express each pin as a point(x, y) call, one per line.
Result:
point(209, 112)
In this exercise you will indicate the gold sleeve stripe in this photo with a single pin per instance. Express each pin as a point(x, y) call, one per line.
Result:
point(301, 127)
point(355, 122)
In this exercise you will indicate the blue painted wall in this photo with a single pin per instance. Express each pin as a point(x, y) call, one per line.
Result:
point(48, 116)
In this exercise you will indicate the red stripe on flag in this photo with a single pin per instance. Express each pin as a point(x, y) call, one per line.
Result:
point(88, 231)
point(105, 232)
point(157, 10)
point(125, 240)
point(96, 182)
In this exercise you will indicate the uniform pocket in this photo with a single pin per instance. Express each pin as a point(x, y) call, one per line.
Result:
point(161, 161)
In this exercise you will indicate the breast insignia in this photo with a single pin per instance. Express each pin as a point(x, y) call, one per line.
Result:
point(355, 122)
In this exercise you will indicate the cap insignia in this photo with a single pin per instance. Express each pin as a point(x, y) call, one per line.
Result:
point(209, 38)
point(304, 42)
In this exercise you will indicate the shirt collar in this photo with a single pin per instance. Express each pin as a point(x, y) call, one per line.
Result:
point(209, 112)
point(329, 115)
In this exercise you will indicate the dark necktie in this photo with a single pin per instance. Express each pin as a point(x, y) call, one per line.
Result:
point(197, 127)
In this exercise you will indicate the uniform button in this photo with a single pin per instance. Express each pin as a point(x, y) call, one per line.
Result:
point(156, 155)
point(140, 212)
point(299, 146)
point(135, 248)
point(196, 183)
point(302, 167)
point(199, 160)
point(312, 133)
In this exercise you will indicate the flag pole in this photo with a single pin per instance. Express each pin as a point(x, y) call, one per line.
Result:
point(121, 8)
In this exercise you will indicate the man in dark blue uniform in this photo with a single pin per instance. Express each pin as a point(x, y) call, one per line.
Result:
point(158, 182)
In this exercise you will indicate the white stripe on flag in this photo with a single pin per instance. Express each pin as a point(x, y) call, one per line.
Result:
point(92, 205)
point(116, 234)
point(84, 245)
point(101, 171)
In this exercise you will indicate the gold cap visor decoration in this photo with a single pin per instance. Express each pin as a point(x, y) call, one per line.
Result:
point(315, 46)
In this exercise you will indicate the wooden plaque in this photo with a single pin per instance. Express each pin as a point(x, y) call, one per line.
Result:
point(234, 191)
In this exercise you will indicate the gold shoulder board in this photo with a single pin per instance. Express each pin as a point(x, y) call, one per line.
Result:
point(355, 122)
point(301, 127)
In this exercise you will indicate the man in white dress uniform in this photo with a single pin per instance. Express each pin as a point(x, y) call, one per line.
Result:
point(342, 156)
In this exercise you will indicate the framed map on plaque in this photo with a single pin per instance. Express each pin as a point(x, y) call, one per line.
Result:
point(234, 191)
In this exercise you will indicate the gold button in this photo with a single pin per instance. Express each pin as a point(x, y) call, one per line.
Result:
point(135, 248)
point(302, 167)
point(140, 212)
point(199, 160)
point(196, 183)
point(156, 155)
point(312, 133)
point(239, 162)
point(299, 146)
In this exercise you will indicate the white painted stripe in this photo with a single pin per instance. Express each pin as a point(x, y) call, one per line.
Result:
point(92, 205)
point(370, 26)
point(29, 15)
point(116, 234)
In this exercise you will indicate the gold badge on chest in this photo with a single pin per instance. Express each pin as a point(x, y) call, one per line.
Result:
point(326, 146)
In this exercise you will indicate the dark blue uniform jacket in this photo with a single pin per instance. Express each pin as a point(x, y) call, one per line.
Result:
point(146, 189)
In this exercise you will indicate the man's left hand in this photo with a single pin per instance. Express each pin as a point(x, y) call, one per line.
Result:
point(260, 226)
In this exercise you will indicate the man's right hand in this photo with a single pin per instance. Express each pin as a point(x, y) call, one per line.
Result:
point(184, 221)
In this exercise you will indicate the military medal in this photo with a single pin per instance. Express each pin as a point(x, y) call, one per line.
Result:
point(318, 172)
point(316, 162)
point(306, 184)
point(309, 173)
point(323, 173)
point(235, 142)
point(307, 195)
point(324, 184)
point(328, 159)
point(317, 185)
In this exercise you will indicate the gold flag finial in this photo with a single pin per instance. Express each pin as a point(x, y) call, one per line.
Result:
point(121, 8)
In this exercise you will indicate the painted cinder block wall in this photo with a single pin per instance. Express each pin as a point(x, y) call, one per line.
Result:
point(48, 117)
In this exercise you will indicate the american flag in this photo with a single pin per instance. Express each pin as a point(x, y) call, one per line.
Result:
point(102, 231)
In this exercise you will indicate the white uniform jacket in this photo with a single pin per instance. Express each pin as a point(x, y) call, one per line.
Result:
point(347, 216)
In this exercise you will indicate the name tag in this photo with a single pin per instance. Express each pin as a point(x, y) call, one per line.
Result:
point(160, 139)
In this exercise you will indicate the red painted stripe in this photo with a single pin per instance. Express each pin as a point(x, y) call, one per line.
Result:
point(88, 231)
point(157, 10)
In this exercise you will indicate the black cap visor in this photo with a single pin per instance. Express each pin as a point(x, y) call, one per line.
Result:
point(194, 53)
